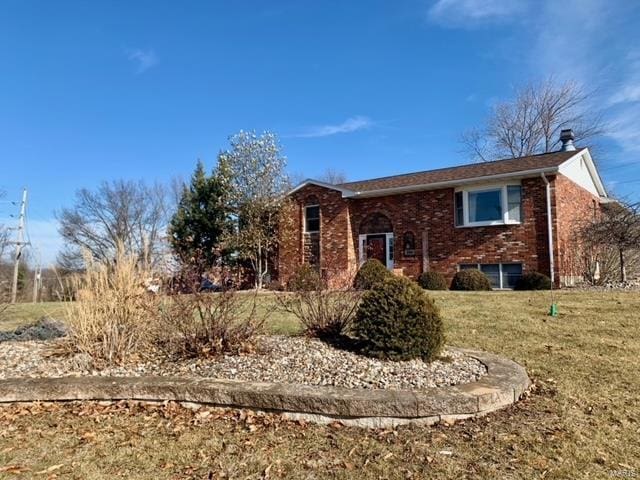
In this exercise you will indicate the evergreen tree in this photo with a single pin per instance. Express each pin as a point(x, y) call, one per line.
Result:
point(201, 219)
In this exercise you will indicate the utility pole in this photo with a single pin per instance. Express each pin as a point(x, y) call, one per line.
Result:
point(19, 244)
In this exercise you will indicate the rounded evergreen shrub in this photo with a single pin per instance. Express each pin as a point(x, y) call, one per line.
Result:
point(533, 281)
point(398, 321)
point(306, 279)
point(432, 281)
point(371, 273)
point(470, 280)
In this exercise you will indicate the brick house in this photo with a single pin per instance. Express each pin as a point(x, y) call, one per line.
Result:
point(503, 217)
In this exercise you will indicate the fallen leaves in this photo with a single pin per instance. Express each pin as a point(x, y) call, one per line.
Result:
point(14, 469)
point(50, 469)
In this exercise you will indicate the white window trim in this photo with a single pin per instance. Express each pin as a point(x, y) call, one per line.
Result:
point(304, 219)
point(362, 241)
point(504, 198)
point(501, 287)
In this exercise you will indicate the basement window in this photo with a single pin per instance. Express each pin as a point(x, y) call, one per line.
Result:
point(498, 205)
point(501, 275)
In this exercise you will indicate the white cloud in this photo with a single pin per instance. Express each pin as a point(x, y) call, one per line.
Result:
point(624, 128)
point(568, 42)
point(574, 46)
point(629, 88)
point(474, 12)
point(142, 59)
point(352, 124)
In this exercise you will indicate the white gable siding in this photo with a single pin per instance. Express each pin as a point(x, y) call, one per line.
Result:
point(577, 170)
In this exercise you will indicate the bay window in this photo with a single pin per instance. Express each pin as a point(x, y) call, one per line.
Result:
point(497, 205)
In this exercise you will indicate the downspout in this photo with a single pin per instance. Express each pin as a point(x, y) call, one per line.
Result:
point(549, 229)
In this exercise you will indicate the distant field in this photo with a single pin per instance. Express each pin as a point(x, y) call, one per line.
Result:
point(582, 420)
point(23, 313)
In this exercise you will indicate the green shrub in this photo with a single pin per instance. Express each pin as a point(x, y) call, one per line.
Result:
point(306, 278)
point(470, 280)
point(534, 281)
point(432, 281)
point(371, 273)
point(398, 321)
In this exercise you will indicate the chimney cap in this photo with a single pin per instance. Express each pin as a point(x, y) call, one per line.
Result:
point(567, 137)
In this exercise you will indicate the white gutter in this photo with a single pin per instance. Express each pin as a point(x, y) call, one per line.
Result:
point(549, 229)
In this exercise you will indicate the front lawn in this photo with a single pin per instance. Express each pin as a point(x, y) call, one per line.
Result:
point(23, 313)
point(581, 421)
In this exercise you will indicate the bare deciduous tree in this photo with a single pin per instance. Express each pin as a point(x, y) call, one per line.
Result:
point(531, 122)
point(4, 235)
point(121, 212)
point(619, 228)
point(4, 240)
point(334, 177)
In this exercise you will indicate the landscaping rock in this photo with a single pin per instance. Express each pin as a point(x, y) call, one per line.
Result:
point(280, 359)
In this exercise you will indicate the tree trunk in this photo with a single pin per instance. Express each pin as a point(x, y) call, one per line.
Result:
point(259, 272)
point(623, 267)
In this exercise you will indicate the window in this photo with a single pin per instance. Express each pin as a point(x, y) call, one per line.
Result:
point(312, 219)
point(492, 271)
point(459, 209)
point(501, 275)
point(485, 206)
point(488, 206)
point(511, 273)
point(514, 203)
point(314, 251)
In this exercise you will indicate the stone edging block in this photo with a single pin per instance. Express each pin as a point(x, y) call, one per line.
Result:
point(503, 385)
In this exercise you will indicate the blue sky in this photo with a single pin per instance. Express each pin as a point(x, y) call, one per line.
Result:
point(140, 89)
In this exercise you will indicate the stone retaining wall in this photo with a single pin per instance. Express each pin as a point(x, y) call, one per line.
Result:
point(505, 382)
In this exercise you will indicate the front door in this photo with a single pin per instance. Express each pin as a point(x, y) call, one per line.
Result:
point(376, 247)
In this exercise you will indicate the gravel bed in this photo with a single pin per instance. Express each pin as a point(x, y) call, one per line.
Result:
point(283, 359)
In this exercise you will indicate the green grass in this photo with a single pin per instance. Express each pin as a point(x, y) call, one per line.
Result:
point(582, 419)
point(23, 313)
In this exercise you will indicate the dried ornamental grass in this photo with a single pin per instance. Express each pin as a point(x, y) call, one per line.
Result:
point(108, 318)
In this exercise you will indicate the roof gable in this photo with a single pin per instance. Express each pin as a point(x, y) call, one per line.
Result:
point(310, 181)
point(582, 170)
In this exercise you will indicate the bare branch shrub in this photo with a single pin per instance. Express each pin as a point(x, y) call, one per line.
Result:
point(616, 232)
point(204, 324)
point(322, 311)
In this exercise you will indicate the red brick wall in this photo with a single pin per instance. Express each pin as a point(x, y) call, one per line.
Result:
point(431, 213)
point(336, 247)
point(574, 206)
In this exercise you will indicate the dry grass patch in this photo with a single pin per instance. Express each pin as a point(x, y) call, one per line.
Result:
point(581, 421)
